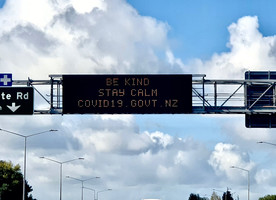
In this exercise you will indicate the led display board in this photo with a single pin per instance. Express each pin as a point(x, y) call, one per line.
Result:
point(260, 120)
point(127, 94)
point(260, 95)
point(254, 91)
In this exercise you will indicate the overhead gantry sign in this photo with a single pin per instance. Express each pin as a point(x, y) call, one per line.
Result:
point(123, 94)
point(254, 96)
point(15, 100)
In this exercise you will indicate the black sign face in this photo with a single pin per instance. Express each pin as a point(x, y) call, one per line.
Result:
point(127, 94)
point(16, 100)
point(258, 96)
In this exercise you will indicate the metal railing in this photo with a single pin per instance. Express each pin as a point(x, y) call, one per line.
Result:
point(208, 96)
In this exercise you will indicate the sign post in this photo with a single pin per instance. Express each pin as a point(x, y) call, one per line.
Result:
point(127, 94)
point(16, 100)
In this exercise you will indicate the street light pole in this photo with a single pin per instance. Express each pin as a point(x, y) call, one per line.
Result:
point(101, 191)
point(82, 181)
point(60, 175)
point(248, 178)
point(96, 194)
point(25, 164)
point(92, 190)
point(262, 142)
point(25, 153)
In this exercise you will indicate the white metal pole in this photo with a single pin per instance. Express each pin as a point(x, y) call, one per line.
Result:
point(25, 154)
point(248, 188)
point(24, 174)
point(60, 182)
point(60, 178)
point(248, 184)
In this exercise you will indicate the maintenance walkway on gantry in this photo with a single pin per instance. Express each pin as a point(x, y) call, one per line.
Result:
point(255, 96)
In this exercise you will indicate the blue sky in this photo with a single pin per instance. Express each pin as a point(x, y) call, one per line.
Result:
point(2, 3)
point(200, 27)
point(140, 156)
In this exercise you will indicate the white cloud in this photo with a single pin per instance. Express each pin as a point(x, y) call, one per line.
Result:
point(160, 138)
point(80, 37)
point(22, 12)
point(263, 176)
point(248, 50)
point(182, 158)
point(226, 155)
point(83, 6)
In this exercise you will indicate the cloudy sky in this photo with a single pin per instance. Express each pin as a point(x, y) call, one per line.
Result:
point(139, 156)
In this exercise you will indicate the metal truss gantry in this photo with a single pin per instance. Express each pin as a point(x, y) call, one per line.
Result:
point(230, 96)
point(209, 96)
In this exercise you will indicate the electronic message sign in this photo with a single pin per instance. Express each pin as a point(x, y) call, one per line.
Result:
point(16, 100)
point(127, 94)
point(260, 95)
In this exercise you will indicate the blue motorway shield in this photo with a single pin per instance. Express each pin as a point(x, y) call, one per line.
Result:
point(5, 80)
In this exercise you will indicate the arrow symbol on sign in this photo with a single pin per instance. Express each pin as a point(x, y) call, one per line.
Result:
point(13, 107)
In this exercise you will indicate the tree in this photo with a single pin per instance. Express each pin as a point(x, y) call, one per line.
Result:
point(227, 195)
point(268, 197)
point(11, 181)
point(215, 196)
point(196, 197)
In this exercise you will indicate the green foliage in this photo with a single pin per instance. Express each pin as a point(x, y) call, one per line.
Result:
point(11, 182)
point(196, 197)
point(268, 197)
point(215, 196)
point(227, 196)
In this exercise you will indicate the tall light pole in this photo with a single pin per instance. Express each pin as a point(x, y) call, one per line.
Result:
point(248, 178)
point(82, 181)
point(92, 190)
point(25, 152)
point(101, 191)
point(60, 177)
point(96, 194)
